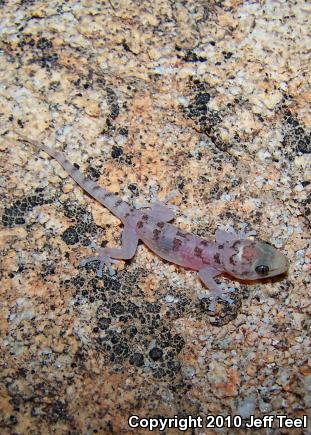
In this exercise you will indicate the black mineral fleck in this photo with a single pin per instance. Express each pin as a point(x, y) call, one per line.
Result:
point(156, 353)
point(116, 152)
point(137, 359)
point(70, 236)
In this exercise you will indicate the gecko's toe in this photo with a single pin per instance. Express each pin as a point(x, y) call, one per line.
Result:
point(212, 305)
point(169, 197)
point(87, 260)
point(106, 261)
point(99, 272)
point(214, 296)
point(210, 299)
point(227, 299)
point(244, 234)
point(219, 299)
point(224, 296)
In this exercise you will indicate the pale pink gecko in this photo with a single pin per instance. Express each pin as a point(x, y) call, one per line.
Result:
point(231, 253)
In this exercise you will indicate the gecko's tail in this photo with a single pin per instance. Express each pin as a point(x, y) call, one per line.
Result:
point(39, 146)
point(109, 200)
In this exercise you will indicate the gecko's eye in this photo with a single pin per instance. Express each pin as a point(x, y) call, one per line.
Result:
point(262, 270)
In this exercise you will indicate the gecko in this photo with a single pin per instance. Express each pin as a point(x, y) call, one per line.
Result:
point(234, 254)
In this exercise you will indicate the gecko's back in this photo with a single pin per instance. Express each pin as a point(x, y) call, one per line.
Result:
point(173, 244)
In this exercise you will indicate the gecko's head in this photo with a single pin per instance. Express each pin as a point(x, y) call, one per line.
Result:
point(250, 260)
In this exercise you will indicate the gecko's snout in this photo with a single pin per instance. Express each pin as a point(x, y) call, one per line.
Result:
point(270, 261)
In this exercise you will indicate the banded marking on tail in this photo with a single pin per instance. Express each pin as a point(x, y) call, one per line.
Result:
point(111, 201)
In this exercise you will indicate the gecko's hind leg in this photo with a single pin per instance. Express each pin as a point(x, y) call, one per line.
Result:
point(108, 256)
point(162, 210)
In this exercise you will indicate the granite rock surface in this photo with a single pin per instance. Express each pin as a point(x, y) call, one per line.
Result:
point(211, 99)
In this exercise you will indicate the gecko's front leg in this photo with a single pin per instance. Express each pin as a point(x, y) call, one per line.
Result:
point(231, 235)
point(207, 275)
point(107, 256)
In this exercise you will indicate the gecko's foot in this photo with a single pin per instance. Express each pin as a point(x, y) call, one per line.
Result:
point(231, 234)
point(104, 261)
point(155, 201)
point(242, 233)
point(214, 295)
point(166, 203)
point(169, 197)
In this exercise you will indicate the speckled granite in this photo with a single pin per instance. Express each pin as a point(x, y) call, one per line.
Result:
point(209, 98)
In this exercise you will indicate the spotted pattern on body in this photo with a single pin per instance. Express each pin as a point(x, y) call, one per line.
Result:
point(177, 243)
point(139, 224)
point(217, 258)
point(198, 251)
point(156, 234)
